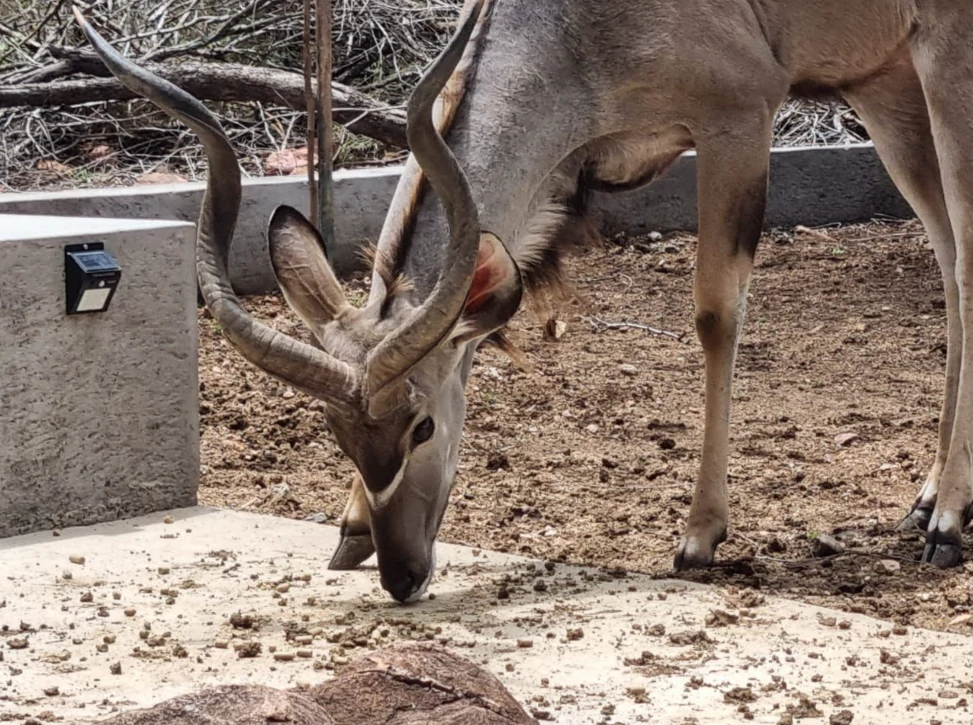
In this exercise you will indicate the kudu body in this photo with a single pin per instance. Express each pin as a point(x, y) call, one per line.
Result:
point(552, 98)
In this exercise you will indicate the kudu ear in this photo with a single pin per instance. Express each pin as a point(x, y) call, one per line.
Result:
point(495, 293)
point(301, 266)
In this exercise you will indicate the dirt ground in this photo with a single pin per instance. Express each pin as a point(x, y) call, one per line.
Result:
point(585, 461)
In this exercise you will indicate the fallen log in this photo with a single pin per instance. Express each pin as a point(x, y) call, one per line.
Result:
point(231, 82)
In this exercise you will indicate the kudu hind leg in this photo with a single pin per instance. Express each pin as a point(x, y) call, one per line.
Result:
point(943, 53)
point(732, 181)
point(893, 108)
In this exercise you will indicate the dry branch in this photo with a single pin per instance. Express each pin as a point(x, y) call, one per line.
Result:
point(224, 82)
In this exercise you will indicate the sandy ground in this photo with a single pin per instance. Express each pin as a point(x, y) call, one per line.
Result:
point(581, 461)
point(180, 600)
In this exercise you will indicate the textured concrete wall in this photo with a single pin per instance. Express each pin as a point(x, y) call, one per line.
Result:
point(98, 413)
point(811, 186)
point(361, 200)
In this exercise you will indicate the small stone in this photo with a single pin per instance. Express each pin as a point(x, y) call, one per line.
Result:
point(168, 520)
point(67, 575)
point(844, 717)
point(75, 559)
point(574, 635)
point(52, 691)
point(845, 439)
point(888, 566)
point(899, 630)
point(87, 597)
point(221, 644)
point(17, 643)
point(163, 570)
point(129, 612)
point(525, 643)
point(115, 668)
point(824, 546)
point(628, 369)
point(249, 649)
point(284, 656)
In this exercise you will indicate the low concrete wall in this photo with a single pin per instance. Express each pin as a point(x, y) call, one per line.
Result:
point(98, 413)
point(362, 198)
point(811, 186)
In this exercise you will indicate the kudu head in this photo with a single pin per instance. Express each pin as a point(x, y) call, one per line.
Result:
point(392, 373)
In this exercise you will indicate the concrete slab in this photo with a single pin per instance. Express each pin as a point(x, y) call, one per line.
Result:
point(98, 412)
point(584, 646)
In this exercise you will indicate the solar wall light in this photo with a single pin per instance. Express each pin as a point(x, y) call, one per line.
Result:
point(91, 276)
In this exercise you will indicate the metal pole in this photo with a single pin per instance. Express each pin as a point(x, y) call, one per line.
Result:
point(325, 128)
point(312, 206)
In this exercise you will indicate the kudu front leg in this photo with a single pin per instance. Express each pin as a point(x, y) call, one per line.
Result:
point(732, 182)
point(943, 56)
point(356, 531)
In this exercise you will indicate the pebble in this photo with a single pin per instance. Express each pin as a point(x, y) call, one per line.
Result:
point(629, 370)
point(525, 643)
point(284, 656)
point(168, 520)
point(75, 559)
point(825, 545)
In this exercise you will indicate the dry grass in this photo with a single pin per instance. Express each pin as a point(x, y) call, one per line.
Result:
point(381, 47)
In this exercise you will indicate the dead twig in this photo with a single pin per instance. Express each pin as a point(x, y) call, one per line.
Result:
point(601, 325)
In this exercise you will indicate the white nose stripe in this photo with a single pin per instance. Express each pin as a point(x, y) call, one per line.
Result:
point(380, 500)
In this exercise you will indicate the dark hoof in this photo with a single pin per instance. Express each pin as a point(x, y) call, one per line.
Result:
point(687, 562)
point(693, 554)
point(917, 520)
point(352, 552)
point(943, 556)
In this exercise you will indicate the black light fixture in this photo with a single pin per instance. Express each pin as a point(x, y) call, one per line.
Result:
point(91, 276)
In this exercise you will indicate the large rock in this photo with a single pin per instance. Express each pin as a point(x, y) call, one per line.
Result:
point(230, 705)
point(409, 684)
point(417, 684)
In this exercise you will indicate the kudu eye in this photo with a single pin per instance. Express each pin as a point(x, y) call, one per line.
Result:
point(423, 432)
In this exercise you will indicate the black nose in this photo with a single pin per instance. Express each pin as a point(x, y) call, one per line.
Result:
point(403, 582)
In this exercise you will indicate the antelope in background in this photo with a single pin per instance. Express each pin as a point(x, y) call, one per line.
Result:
point(539, 101)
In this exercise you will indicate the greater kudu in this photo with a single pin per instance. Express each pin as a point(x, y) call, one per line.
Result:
point(541, 100)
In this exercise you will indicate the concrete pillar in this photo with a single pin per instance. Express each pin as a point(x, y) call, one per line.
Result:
point(98, 412)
